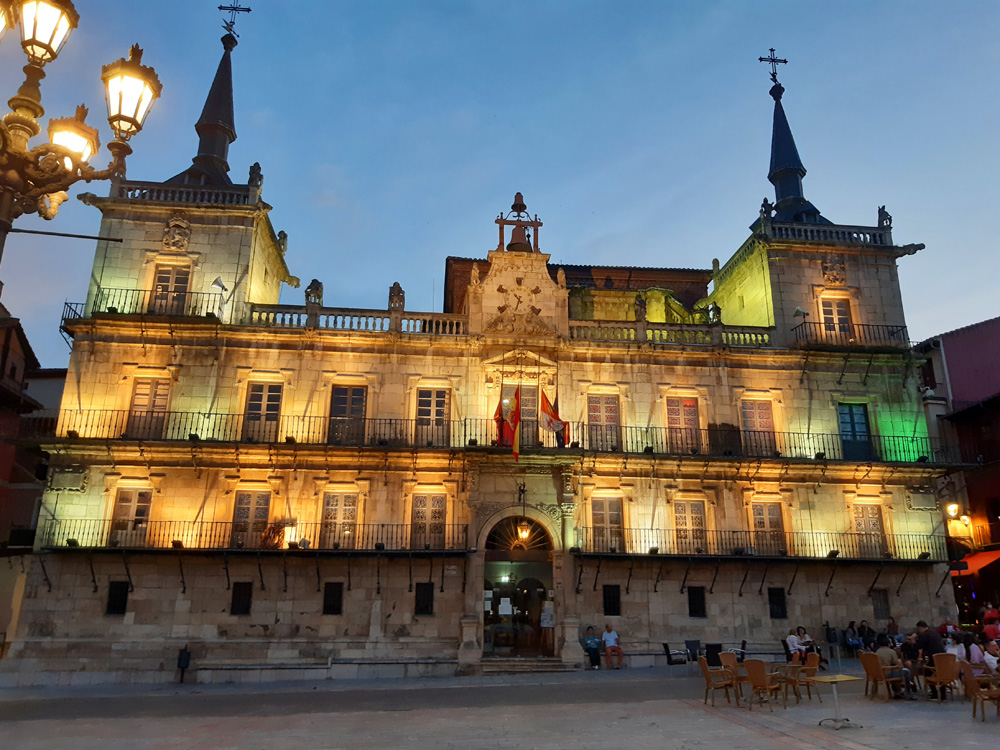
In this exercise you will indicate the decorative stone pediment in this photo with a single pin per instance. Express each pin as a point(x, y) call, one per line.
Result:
point(518, 297)
point(177, 234)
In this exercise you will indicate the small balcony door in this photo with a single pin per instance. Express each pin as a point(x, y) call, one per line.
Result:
point(340, 520)
point(130, 518)
point(855, 436)
point(690, 536)
point(147, 414)
point(262, 414)
point(529, 412)
point(603, 422)
point(768, 529)
point(250, 518)
point(433, 426)
point(869, 530)
point(170, 290)
point(608, 523)
point(347, 415)
point(683, 432)
point(757, 422)
point(837, 325)
point(427, 521)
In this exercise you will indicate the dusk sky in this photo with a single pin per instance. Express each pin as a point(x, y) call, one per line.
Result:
point(391, 134)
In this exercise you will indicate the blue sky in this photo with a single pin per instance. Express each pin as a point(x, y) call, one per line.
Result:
point(391, 134)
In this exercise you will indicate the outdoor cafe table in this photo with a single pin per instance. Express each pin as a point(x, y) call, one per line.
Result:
point(832, 679)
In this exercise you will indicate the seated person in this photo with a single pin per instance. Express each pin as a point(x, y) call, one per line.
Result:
point(851, 636)
point(795, 649)
point(991, 630)
point(887, 657)
point(990, 657)
point(611, 646)
point(592, 645)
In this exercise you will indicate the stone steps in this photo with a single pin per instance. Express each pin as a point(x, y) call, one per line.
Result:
point(516, 665)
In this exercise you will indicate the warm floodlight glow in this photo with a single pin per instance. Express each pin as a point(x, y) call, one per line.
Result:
point(74, 134)
point(45, 27)
point(131, 89)
point(523, 530)
point(952, 509)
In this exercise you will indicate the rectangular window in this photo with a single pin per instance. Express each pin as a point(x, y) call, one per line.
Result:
point(130, 517)
point(347, 415)
point(428, 515)
point(757, 422)
point(170, 290)
point(776, 604)
point(608, 524)
point(242, 598)
point(603, 422)
point(880, 604)
point(689, 525)
point(424, 599)
point(340, 520)
point(837, 318)
point(263, 410)
point(683, 430)
point(612, 600)
point(529, 412)
point(147, 414)
point(869, 531)
point(768, 529)
point(433, 417)
point(696, 601)
point(250, 518)
point(855, 437)
point(117, 598)
point(333, 598)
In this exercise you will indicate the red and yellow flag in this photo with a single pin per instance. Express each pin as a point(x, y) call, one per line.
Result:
point(515, 423)
point(549, 420)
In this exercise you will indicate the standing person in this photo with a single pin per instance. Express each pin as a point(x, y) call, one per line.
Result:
point(928, 643)
point(991, 612)
point(611, 646)
point(991, 630)
point(592, 645)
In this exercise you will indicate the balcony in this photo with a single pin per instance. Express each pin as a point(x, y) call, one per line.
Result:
point(770, 544)
point(136, 534)
point(668, 334)
point(153, 302)
point(716, 442)
point(846, 336)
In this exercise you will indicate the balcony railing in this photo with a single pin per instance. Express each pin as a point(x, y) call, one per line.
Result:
point(847, 336)
point(716, 442)
point(670, 334)
point(237, 195)
point(131, 533)
point(829, 233)
point(154, 302)
point(739, 543)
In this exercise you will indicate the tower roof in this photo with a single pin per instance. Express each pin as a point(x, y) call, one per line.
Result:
point(216, 128)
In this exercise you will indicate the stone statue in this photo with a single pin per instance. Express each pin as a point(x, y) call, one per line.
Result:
point(561, 278)
point(256, 176)
point(766, 210)
point(397, 297)
point(176, 234)
point(314, 293)
point(283, 242)
point(884, 218)
point(474, 275)
point(714, 314)
point(640, 308)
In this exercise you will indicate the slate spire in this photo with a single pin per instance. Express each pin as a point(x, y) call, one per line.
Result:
point(216, 128)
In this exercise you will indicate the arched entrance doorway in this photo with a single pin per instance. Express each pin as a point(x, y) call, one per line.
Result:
point(518, 616)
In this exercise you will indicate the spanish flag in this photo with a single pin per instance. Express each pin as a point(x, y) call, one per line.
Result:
point(549, 420)
point(514, 420)
point(504, 433)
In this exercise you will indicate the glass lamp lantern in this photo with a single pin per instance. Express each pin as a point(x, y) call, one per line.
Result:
point(74, 134)
point(131, 89)
point(45, 27)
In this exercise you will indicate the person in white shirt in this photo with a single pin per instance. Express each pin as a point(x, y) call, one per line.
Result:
point(795, 647)
point(991, 656)
point(611, 647)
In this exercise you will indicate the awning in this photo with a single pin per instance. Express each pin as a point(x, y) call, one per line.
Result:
point(977, 562)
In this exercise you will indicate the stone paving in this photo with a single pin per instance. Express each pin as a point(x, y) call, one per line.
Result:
point(640, 708)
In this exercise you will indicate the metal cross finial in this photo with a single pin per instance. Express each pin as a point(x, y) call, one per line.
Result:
point(774, 61)
point(233, 10)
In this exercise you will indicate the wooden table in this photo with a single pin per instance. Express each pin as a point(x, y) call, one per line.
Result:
point(833, 679)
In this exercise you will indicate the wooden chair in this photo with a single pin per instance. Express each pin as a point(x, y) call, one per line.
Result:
point(717, 678)
point(806, 674)
point(944, 676)
point(731, 662)
point(978, 695)
point(762, 684)
point(876, 674)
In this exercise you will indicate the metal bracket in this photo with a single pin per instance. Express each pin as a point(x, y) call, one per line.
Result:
point(319, 580)
point(947, 574)
point(260, 573)
point(685, 579)
point(833, 572)
point(805, 364)
point(378, 574)
point(628, 583)
point(93, 578)
point(656, 586)
point(128, 573)
point(284, 571)
point(597, 574)
point(441, 590)
point(711, 589)
point(411, 573)
point(180, 564)
point(348, 572)
point(847, 358)
point(225, 564)
point(794, 576)
point(579, 578)
point(871, 358)
point(465, 573)
point(763, 578)
point(45, 573)
point(745, 574)
point(906, 572)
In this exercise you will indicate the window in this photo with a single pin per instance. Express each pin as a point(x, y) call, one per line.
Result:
point(433, 417)
point(147, 414)
point(696, 601)
point(340, 516)
point(776, 604)
point(427, 519)
point(117, 598)
point(250, 517)
point(837, 318)
point(170, 290)
point(347, 415)
point(529, 412)
point(607, 521)
point(242, 598)
point(689, 525)
point(612, 600)
point(263, 410)
point(423, 599)
point(757, 421)
point(603, 423)
point(333, 598)
point(855, 438)
point(683, 432)
point(869, 530)
point(880, 604)
point(768, 528)
point(130, 518)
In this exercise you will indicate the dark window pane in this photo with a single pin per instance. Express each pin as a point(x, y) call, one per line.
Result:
point(333, 598)
point(424, 601)
point(612, 600)
point(776, 603)
point(696, 601)
point(117, 598)
point(880, 604)
point(242, 598)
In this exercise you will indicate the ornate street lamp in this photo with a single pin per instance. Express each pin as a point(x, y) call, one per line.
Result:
point(34, 180)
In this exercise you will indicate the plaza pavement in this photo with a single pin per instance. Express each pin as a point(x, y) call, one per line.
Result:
point(632, 708)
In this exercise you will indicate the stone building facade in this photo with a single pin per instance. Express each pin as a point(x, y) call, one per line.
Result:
point(294, 491)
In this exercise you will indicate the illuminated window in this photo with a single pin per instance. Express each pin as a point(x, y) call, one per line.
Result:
point(683, 432)
point(263, 410)
point(689, 525)
point(148, 411)
point(433, 417)
point(768, 528)
point(529, 412)
point(130, 519)
point(603, 422)
point(428, 515)
point(170, 290)
point(340, 520)
point(250, 518)
point(608, 524)
point(836, 316)
point(757, 421)
point(855, 437)
point(347, 415)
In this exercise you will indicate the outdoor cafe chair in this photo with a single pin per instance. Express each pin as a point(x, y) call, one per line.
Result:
point(876, 674)
point(944, 676)
point(762, 684)
point(717, 678)
point(729, 661)
point(978, 695)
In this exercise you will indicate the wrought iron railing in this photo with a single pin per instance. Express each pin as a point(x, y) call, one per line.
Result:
point(715, 442)
point(847, 336)
point(741, 543)
point(132, 533)
point(155, 302)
